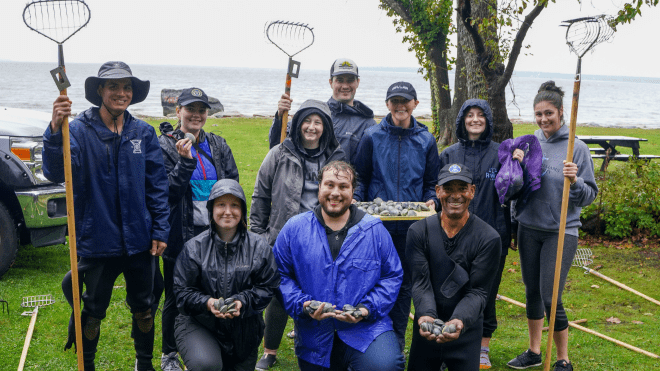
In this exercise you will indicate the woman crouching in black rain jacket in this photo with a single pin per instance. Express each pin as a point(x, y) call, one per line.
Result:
point(226, 262)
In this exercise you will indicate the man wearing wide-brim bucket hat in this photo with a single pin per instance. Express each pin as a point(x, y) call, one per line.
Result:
point(120, 194)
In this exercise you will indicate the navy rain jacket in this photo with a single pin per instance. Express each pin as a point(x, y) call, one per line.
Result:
point(119, 209)
point(397, 164)
point(481, 157)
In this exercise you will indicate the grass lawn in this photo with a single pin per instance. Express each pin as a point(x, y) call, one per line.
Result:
point(39, 271)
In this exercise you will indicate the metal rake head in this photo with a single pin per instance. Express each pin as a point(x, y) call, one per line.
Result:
point(582, 34)
point(582, 258)
point(58, 20)
point(36, 301)
point(290, 37)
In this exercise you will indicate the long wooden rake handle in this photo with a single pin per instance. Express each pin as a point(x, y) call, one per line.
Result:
point(28, 338)
point(73, 254)
point(285, 115)
point(589, 331)
point(621, 285)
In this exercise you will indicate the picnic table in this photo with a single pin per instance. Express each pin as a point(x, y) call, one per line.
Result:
point(608, 150)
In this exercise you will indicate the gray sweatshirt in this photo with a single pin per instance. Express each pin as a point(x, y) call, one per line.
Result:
point(542, 210)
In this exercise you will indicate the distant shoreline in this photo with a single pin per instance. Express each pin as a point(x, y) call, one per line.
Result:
point(423, 118)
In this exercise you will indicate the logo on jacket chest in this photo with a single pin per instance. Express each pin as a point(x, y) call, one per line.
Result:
point(136, 145)
point(491, 174)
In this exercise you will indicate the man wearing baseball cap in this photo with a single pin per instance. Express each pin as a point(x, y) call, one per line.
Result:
point(120, 191)
point(463, 251)
point(192, 167)
point(350, 117)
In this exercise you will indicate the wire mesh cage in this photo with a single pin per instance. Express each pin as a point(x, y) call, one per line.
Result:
point(57, 20)
point(584, 33)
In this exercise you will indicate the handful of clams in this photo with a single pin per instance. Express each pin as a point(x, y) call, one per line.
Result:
point(437, 327)
point(225, 305)
point(391, 208)
point(349, 309)
point(315, 304)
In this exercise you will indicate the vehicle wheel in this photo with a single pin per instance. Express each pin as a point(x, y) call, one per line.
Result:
point(8, 240)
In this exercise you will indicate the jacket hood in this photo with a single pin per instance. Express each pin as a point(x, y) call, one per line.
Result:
point(358, 108)
point(223, 187)
point(561, 134)
point(461, 133)
point(328, 139)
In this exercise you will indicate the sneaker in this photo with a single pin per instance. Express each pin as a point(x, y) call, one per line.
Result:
point(170, 362)
point(266, 362)
point(526, 360)
point(291, 334)
point(484, 360)
point(562, 365)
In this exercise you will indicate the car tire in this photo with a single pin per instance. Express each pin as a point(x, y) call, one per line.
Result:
point(8, 240)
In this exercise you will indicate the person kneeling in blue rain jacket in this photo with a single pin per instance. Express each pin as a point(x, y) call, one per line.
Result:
point(339, 255)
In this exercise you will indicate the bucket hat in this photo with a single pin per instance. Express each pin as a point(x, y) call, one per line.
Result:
point(112, 71)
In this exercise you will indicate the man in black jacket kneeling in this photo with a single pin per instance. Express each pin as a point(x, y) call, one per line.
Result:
point(450, 297)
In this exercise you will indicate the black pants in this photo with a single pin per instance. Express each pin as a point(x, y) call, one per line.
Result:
point(538, 254)
point(276, 319)
point(99, 276)
point(401, 309)
point(490, 314)
point(459, 355)
point(200, 350)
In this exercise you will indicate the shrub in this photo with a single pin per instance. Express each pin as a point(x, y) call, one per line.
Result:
point(627, 201)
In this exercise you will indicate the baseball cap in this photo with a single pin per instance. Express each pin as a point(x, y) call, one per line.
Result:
point(401, 89)
point(344, 66)
point(454, 172)
point(192, 95)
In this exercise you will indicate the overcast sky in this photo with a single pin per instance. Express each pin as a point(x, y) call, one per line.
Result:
point(231, 33)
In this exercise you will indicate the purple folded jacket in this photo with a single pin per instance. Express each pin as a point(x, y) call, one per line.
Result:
point(511, 178)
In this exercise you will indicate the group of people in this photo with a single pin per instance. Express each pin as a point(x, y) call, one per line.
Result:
point(345, 277)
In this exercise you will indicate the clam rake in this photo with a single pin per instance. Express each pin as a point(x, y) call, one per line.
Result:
point(291, 38)
point(32, 302)
point(583, 258)
point(58, 20)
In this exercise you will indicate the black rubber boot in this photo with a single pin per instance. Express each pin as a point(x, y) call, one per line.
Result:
point(143, 339)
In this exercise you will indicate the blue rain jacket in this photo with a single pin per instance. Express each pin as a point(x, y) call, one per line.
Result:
point(397, 164)
point(481, 157)
point(118, 209)
point(367, 271)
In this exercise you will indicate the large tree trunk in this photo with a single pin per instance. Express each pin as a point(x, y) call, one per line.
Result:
point(480, 63)
point(439, 81)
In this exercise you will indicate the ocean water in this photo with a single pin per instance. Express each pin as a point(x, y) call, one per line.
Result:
point(604, 100)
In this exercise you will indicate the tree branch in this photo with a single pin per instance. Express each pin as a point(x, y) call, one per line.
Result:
point(465, 9)
point(399, 10)
point(517, 45)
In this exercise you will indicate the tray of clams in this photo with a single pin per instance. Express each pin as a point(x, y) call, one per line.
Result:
point(391, 210)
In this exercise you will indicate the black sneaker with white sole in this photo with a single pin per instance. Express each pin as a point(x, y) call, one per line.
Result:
point(526, 360)
point(562, 365)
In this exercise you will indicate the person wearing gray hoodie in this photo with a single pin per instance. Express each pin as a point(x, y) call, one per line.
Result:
point(538, 225)
point(286, 186)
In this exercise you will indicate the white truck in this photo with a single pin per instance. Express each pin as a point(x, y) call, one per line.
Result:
point(32, 209)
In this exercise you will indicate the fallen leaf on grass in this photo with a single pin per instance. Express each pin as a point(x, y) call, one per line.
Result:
point(613, 320)
point(595, 286)
point(514, 263)
point(511, 270)
point(638, 322)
